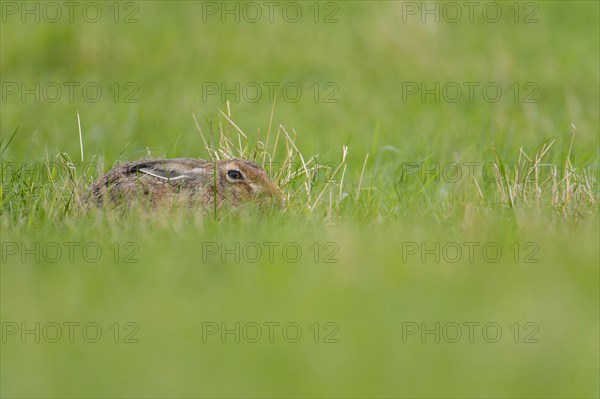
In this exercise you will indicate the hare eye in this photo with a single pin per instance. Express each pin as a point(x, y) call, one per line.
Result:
point(235, 175)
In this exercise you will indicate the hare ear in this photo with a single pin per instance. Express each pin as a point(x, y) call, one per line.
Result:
point(176, 172)
point(163, 174)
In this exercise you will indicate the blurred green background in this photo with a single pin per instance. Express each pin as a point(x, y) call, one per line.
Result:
point(362, 55)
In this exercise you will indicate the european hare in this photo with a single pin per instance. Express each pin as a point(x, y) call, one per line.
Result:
point(187, 180)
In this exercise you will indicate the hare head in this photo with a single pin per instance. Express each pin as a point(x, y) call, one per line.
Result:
point(231, 181)
point(244, 180)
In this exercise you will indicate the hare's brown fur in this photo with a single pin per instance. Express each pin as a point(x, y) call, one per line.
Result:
point(186, 180)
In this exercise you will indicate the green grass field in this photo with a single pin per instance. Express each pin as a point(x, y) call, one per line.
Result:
point(440, 237)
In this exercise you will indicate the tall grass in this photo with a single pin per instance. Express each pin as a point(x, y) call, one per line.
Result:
point(55, 188)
